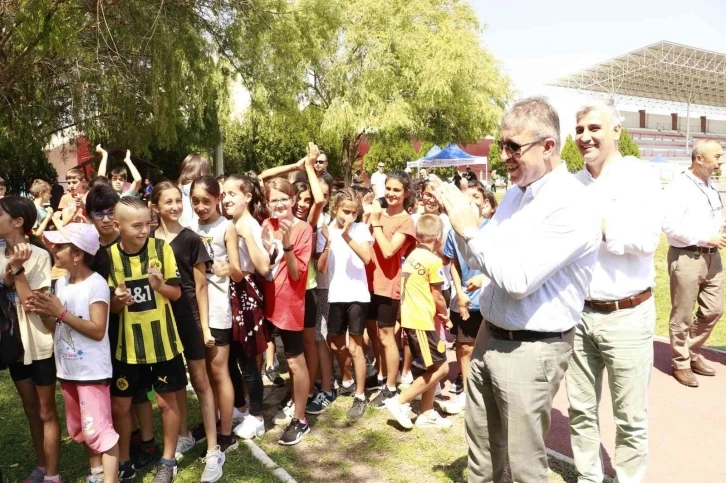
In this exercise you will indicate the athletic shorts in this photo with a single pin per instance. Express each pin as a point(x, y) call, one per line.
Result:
point(222, 337)
point(191, 338)
point(292, 340)
point(383, 310)
point(447, 296)
point(42, 372)
point(311, 308)
point(347, 317)
point(466, 330)
point(164, 377)
point(427, 346)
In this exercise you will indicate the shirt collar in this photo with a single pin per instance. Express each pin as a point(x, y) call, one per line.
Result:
point(534, 188)
point(611, 166)
point(696, 179)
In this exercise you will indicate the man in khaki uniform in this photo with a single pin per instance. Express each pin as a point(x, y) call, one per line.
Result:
point(693, 223)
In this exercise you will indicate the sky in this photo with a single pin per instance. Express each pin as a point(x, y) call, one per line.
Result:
point(537, 41)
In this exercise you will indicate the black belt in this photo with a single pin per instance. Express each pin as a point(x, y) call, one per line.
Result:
point(695, 248)
point(524, 335)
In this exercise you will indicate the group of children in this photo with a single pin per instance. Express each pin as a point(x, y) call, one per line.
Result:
point(230, 263)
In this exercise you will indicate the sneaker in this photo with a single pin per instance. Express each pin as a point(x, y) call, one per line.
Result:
point(97, 478)
point(346, 391)
point(432, 420)
point(452, 406)
point(357, 410)
point(165, 474)
point(213, 463)
point(250, 428)
point(227, 443)
point(373, 383)
point(321, 401)
point(379, 402)
point(147, 455)
point(457, 387)
point(405, 379)
point(284, 416)
point(274, 377)
point(126, 470)
point(184, 444)
point(399, 412)
point(36, 476)
point(239, 416)
point(285, 401)
point(294, 433)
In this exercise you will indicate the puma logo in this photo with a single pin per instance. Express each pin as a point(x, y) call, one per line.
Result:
point(162, 379)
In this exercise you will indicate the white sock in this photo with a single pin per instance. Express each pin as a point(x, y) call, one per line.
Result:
point(98, 470)
point(347, 384)
point(362, 397)
point(392, 389)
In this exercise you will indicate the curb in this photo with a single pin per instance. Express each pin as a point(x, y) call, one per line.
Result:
point(704, 348)
point(263, 458)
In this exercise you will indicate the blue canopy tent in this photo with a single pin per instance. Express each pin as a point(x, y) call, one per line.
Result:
point(451, 155)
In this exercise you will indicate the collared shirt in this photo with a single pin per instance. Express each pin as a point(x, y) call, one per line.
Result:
point(627, 195)
point(539, 251)
point(692, 211)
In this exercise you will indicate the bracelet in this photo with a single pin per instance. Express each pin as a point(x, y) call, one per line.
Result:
point(60, 317)
point(377, 226)
point(288, 249)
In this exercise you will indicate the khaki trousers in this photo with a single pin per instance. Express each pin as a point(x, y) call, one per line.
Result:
point(620, 342)
point(509, 399)
point(695, 277)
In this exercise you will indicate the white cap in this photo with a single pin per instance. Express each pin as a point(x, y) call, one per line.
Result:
point(82, 235)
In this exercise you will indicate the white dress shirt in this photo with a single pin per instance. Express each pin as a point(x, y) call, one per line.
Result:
point(378, 182)
point(692, 211)
point(539, 251)
point(628, 196)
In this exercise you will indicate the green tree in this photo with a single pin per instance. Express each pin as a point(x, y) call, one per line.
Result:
point(627, 146)
point(361, 64)
point(571, 155)
point(394, 154)
point(499, 168)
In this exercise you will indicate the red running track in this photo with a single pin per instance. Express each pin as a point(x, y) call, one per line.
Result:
point(687, 425)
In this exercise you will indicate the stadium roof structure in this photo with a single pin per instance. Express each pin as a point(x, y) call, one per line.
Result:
point(664, 74)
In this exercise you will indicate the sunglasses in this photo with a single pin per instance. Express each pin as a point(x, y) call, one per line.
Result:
point(321, 161)
point(514, 149)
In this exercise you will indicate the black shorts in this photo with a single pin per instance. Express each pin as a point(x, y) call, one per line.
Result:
point(466, 330)
point(164, 377)
point(311, 308)
point(222, 337)
point(427, 346)
point(383, 310)
point(347, 316)
point(191, 338)
point(292, 340)
point(447, 296)
point(42, 372)
point(141, 396)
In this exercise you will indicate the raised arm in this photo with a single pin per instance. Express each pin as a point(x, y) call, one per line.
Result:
point(136, 184)
point(103, 166)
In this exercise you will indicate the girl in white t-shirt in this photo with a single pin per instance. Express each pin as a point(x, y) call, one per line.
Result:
point(78, 313)
point(346, 251)
point(220, 239)
point(244, 202)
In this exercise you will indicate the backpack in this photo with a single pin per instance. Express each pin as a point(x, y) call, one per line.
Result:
point(11, 346)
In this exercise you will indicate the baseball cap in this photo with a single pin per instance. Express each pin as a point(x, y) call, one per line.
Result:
point(82, 235)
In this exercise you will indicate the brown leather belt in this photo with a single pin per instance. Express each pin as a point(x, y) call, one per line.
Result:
point(695, 248)
point(524, 335)
point(607, 306)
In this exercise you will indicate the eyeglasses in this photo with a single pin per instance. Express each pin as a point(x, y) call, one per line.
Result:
point(321, 161)
point(281, 201)
point(514, 149)
point(100, 215)
point(381, 166)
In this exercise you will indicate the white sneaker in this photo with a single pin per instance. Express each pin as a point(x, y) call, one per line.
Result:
point(184, 444)
point(284, 416)
point(432, 420)
point(454, 405)
point(213, 463)
point(250, 428)
point(437, 393)
point(399, 411)
point(239, 416)
point(406, 379)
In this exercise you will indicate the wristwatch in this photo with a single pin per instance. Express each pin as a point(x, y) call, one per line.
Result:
point(17, 272)
point(469, 234)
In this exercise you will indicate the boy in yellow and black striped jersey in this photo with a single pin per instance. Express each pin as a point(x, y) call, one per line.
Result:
point(144, 279)
point(423, 313)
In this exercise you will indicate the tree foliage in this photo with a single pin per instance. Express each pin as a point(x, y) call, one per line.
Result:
point(376, 67)
point(627, 146)
point(394, 154)
point(499, 168)
point(572, 156)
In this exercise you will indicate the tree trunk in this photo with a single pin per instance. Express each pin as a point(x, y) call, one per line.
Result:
point(350, 154)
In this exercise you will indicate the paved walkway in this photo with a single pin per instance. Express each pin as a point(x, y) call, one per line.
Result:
point(688, 425)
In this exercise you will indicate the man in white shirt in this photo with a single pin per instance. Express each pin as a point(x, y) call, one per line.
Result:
point(694, 225)
point(616, 328)
point(378, 181)
point(538, 250)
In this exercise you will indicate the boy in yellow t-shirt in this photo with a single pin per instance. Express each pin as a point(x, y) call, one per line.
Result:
point(423, 312)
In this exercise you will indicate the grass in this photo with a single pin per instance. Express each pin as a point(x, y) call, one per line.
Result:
point(17, 458)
